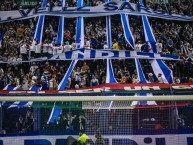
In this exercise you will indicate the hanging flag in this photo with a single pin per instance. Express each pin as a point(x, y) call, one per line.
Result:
point(110, 74)
point(11, 88)
point(158, 65)
point(80, 44)
point(140, 73)
point(60, 36)
point(143, 103)
point(130, 40)
point(56, 111)
point(40, 25)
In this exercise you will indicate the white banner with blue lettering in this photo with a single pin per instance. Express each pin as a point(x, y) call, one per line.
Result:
point(88, 54)
point(106, 9)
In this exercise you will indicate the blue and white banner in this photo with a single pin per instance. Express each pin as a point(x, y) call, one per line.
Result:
point(89, 54)
point(158, 65)
point(145, 137)
point(140, 73)
point(80, 42)
point(40, 25)
point(143, 103)
point(24, 104)
point(56, 111)
point(127, 31)
point(110, 74)
point(59, 40)
point(60, 36)
point(130, 39)
point(106, 9)
point(11, 88)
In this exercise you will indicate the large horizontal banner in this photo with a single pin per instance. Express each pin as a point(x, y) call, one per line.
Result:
point(160, 139)
point(110, 8)
point(115, 88)
point(89, 54)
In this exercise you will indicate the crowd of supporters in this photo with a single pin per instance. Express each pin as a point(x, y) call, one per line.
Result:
point(173, 38)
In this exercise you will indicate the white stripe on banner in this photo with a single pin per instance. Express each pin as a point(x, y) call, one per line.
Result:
point(80, 42)
point(166, 73)
point(158, 66)
point(127, 30)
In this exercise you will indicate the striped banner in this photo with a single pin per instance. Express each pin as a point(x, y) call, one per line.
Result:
point(56, 111)
point(80, 42)
point(110, 74)
point(158, 66)
point(40, 25)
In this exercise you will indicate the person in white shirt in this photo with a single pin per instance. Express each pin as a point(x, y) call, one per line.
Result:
point(38, 50)
point(45, 49)
point(60, 49)
point(105, 46)
point(50, 49)
point(138, 46)
point(33, 48)
point(87, 43)
point(159, 46)
point(160, 79)
point(67, 47)
point(23, 51)
point(33, 67)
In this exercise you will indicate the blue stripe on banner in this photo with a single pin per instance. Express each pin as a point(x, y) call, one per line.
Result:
point(80, 3)
point(127, 31)
point(56, 111)
point(35, 88)
point(148, 33)
point(167, 72)
point(64, 81)
point(44, 3)
point(141, 2)
point(39, 28)
point(63, 3)
point(149, 36)
point(10, 88)
point(59, 40)
point(140, 72)
point(151, 55)
point(78, 31)
point(110, 75)
point(169, 56)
